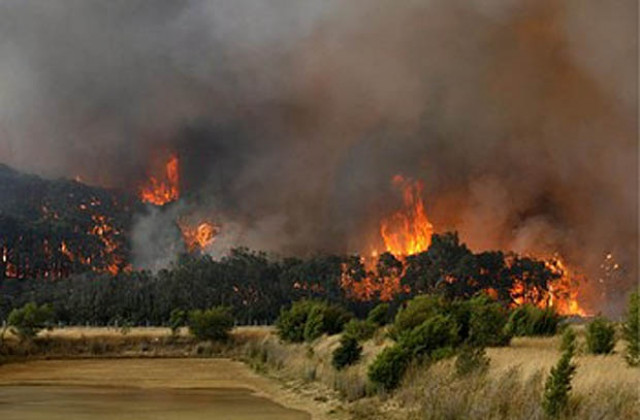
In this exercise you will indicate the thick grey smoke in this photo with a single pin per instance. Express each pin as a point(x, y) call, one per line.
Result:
point(290, 117)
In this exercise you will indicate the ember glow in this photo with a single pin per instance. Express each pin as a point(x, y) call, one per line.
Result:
point(408, 231)
point(165, 189)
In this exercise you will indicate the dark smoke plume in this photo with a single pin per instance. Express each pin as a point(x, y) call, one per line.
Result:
point(290, 117)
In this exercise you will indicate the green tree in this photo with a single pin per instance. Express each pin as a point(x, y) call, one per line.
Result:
point(211, 324)
point(558, 384)
point(28, 321)
point(601, 336)
point(631, 330)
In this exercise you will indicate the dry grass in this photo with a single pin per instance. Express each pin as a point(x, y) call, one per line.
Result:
point(604, 387)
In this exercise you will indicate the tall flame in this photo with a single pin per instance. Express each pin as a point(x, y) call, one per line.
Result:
point(166, 189)
point(408, 231)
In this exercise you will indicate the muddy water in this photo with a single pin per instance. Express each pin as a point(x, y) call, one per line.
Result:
point(79, 403)
point(138, 390)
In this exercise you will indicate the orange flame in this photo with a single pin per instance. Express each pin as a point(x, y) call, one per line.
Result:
point(408, 231)
point(198, 237)
point(163, 191)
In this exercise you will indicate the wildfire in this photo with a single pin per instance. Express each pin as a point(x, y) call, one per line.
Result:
point(164, 190)
point(198, 237)
point(563, 293)
point(408, 231)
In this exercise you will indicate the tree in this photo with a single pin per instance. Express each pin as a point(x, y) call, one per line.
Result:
point(29, 320)
point(211, 324)
point(631, 330)
point(558, 384)
point(601, 336)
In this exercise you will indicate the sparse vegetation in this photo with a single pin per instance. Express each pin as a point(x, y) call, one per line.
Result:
point(601, 336)
point(472, 360)
point(631, 330)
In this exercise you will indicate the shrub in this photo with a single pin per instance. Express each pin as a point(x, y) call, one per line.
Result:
point(389, 367)
point(418, 310)
point(28, 321)
point(438, 332)
point(360, 330)
point(314, 326)
point(348, 353)
point(177, 319)
point(211, 324)
point(600, 336)
point(472, 360)
point(558, 384)
point(291, 322)
point(379, 315)
point(486, 322)
point(529, 320)
point(568, 340)
point(335, 317)
point(631, 330)
point(308, 319)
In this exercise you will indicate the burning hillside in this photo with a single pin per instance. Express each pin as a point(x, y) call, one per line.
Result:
point(513, 123)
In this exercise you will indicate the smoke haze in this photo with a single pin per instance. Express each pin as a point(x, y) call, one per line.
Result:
point(291, 117)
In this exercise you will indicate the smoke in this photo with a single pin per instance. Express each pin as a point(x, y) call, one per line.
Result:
point(290, 118)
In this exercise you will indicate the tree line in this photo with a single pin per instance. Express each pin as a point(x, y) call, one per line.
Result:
point(255, 286)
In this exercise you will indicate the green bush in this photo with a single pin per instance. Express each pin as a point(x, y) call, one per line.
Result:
point(314, 326)
point(486, 321)
point(360, 330)
point(379, 315)
point(308, 319)
point(177, 319)
point(438, 332)
point(348, 353)
point(417, 311)
point(389, 367)
point(631, 330)
point(558, 384)
point(211, 324)
point(568, 340)
point(472, 360)
point(529, 320)
point(28, 321)
point(601, 336)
